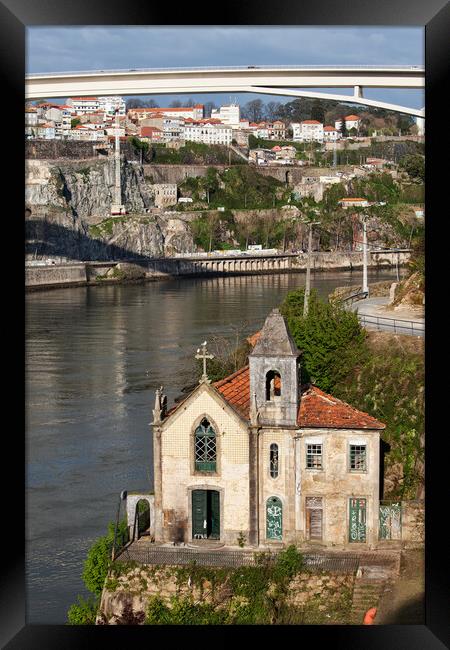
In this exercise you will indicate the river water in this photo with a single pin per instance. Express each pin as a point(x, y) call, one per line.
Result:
point(94, 357)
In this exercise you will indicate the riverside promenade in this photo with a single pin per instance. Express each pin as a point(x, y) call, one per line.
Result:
point(374, 314)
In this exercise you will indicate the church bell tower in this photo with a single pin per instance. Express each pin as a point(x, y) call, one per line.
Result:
point(274, 375)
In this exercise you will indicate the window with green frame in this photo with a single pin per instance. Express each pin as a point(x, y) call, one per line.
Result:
point(205, 447)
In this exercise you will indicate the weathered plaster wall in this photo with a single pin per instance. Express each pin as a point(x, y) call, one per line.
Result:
point(179, 476)
point(336, 484)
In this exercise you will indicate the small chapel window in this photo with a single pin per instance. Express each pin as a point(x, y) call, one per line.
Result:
point(273, 385)
point(205, 447)
point(273, 460)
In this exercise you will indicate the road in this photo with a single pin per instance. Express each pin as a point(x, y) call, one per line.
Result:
point(373, 314)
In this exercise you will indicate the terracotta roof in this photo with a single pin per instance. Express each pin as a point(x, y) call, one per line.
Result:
point(253, 338)
point(236, 390)
point(352, 117)
point(329, 128)
point(310, 122)
point(317, 408)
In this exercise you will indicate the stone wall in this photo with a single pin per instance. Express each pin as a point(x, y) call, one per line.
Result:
point(134, 589)
point(47, 276)
point(413, 523)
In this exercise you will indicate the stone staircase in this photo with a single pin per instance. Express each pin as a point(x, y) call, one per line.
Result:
point(370, 584)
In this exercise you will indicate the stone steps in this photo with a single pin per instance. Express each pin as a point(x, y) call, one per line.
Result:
point(366, 594)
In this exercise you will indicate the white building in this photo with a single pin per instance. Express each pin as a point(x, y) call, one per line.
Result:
point(330, 134)
point(229, 115)
point(208, 133)
point(192, 112)
point(307, 131)
point(83, 105)
point(31, 117)
point(351, 122)
point(109, 105)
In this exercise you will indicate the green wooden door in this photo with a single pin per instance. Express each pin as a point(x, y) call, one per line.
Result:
point(390, 520)
point(357, 524)
point(214, 514)
point(199, 513)
point(274, 518)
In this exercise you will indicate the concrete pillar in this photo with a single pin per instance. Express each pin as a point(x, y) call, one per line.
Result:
point(157, 468)
point(253, 487)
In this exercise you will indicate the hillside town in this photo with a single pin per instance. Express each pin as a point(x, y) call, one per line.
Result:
point(94, 119)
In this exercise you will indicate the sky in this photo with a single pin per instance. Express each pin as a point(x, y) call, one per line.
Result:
point(58, 49)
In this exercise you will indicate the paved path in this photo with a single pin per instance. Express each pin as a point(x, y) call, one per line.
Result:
point(374, 315)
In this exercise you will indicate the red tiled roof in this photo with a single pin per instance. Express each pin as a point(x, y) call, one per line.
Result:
point(317, 408)
point(236, 390)
point(329, 128)
point(310, 122)
point(352, 117)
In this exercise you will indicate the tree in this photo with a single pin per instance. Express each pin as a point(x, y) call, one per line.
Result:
point(317, 111)
point(414, 165)
point(273, 110)
point(343, 127)
point(253, 110)
point(208, 107)
point(75, 121)
point(330, 337)
point(175, 104)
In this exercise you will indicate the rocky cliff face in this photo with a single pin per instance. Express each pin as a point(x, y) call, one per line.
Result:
point(70, 213)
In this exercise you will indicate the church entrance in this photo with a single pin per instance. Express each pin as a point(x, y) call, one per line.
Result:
point(205, 514)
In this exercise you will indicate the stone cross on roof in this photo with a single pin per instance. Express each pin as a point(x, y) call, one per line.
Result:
point(204, 355)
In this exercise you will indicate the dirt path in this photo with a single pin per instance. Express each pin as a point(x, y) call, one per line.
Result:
point(404, 603)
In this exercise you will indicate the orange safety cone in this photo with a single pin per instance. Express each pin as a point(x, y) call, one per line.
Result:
point(369, 616)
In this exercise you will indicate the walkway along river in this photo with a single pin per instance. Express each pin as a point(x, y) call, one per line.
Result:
point(94, 357)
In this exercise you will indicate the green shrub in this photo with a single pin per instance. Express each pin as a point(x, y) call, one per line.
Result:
point(98, 559)
point(83, 612)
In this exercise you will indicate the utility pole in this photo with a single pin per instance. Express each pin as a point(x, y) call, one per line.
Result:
point(365, 287)
point(308, 269)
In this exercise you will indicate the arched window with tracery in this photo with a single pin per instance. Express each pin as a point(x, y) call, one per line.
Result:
point(273, 460)
point(205, 447)
point(273, 385)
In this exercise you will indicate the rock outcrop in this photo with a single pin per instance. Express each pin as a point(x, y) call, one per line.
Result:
point(70, 213)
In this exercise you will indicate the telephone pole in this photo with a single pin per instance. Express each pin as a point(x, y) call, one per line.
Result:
point(308, 269)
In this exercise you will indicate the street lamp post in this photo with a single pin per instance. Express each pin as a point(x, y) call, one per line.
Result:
point(308, 269)
point(365, 286)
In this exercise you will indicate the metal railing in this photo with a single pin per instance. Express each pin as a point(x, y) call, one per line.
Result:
point(342, 563)
point(397, 325)
point(349, 300)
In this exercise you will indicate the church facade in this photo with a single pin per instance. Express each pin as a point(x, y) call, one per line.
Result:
point(257, 457)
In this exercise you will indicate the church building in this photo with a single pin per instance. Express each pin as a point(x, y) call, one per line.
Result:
point(260, 458)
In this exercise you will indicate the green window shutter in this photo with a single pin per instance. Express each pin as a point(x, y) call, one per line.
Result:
point(215, 514)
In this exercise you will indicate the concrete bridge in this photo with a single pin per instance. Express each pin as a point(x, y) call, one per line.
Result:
point(286, 81)
point(83, 273)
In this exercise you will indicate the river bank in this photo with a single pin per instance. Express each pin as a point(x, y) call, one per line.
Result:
point(120, 272)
